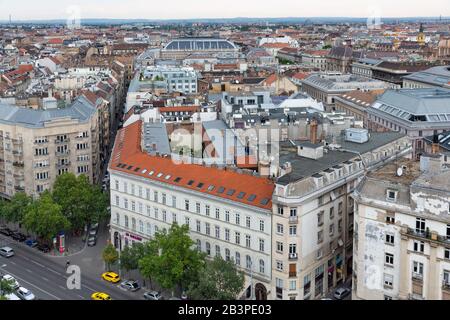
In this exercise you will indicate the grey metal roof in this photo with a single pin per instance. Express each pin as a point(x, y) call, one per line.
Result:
point(437, 76)
point(81, 110)
point(343, 82)
point(155, 138)
point(432, 104)
point(304, 167)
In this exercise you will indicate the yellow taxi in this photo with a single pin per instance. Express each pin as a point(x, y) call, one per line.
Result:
point(100, 296)
point(111, 277)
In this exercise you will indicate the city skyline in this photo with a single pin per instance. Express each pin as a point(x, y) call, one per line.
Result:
point(140, 9)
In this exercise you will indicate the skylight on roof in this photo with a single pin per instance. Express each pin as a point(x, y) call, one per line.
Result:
point(251, 198)
point(221, 190)
point(230, 192)
point(200, 185)
point(144, 171)
point(211, 188)
point(137, 169)
point(151, 173)
point(241, 195)
point(177, 179)
point(264, 201)
point(130, 167)
point(160, 175)
point(190, 182)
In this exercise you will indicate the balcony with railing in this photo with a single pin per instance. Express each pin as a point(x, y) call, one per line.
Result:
point(19, 188)
point(417, 276)
point(427, 235)
point(293, 219)
point(62, 153)
point(62, 165)
point(62, 141)
point(293, 256)
point(446, 284)
point(19, 164)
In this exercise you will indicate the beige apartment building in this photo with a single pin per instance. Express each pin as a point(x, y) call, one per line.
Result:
point(402, 232)
point(312, 223)
point(38, 145)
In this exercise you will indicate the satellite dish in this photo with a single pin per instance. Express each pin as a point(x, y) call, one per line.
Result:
point(399, 172)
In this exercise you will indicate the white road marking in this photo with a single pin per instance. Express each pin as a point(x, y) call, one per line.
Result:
point(37, 263)
point(29, 271)
point(13, 263)
point(82, 297)
point(42, 290)
point(62, 287)
point(55, 272)
point(45, 279)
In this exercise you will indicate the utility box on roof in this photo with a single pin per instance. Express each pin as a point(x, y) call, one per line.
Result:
point(357, 135)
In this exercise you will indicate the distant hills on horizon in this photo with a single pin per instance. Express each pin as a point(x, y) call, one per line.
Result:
point(237, 20)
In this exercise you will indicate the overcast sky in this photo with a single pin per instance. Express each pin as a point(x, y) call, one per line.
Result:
point(186, 9)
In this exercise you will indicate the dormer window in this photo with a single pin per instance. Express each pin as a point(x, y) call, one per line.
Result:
point(391, 195)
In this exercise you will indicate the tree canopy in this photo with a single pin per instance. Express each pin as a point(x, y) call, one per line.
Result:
point(110, 255)
point(170, 258)
point(217, 280)
point(81, 202)
point(45, 218)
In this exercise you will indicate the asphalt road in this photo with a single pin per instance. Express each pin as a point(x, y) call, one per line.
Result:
point(47, 279)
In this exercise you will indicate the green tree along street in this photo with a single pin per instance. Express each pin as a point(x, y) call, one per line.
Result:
point(110, 256)
point(80, 201)
point(14, 210)
point(6, 287)
point(130, 256)
point(218, 280)
point(45, 218)
point(171, 260)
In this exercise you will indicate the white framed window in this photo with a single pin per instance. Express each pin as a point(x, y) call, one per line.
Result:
point(389, 238)
point(280, 228)
point(292, 230)
point(418, 246)
point(391, 195)
point(261, 245)
point(279, 265)
point(389, 259)
point(261, 225)
point(279, 247)
point(388, 280)
point(261, 266)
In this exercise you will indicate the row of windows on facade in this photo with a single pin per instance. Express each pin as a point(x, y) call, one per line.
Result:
point(421, 228)
point(45, 175)
point(207, 210)
point(198, 228)
point(60, 149)
point(152, 231)
point(59, 138)
point(46, 163)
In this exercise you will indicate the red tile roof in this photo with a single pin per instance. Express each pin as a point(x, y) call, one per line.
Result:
point(55, 41)
point(127, 152)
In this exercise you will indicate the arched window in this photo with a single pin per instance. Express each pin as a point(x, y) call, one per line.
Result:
point(117, 218)
point(248, 262)
point(208, 249)
point(217, 251)
point(149, 229)
point(227, 254)
point(199, 245)
point(141, 226)
point(133, 224)
point(261, 266)
point(126, 221)
point(238, 258)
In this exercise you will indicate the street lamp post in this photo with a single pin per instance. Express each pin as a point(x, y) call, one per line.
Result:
point(251, 280)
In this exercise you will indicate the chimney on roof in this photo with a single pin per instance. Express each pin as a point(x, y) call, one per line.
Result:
point(435, 145)
point(313, 126)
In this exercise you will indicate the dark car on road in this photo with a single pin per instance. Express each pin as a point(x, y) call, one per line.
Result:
point(5, 231)
point(18, 236)
point(130, 285)
point(43, 247)
point(92, 241)
point(31, 243)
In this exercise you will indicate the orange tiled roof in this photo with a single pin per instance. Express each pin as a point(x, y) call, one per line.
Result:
point(127, 157)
